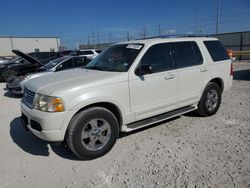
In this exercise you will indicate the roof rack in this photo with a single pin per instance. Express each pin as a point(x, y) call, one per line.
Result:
point(184, 35)
point(176, 36)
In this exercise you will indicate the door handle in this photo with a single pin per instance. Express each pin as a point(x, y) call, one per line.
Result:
point(169, 76)
point(203, 69)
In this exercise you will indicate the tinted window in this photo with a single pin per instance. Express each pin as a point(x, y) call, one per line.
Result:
point(68, 64)
point(216, 50)
point(79, 62)
point(158, 58)
point(186, 54)
point(88, 52)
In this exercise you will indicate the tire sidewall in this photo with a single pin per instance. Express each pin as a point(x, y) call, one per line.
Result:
point(202, 105)
point(4, 77)
point(81, 121)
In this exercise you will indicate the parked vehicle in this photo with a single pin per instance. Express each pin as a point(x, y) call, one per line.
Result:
point(26, 63)
point(90, 53)
point(62, 63)
point(128, 86)
point(45, 57)
point(4, 60)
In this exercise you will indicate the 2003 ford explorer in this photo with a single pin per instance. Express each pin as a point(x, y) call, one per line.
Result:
point(128, 86)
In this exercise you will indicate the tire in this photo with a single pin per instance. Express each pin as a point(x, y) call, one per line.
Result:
point(210, 100)
point(92, 133)
point(9, 75)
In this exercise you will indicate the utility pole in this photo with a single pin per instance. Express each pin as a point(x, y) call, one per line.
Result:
point(98, 41)
point(217, 17)
point(159, 30)
point(93, 37)
point(144, 32)
point(128, 36)
point(195, 20)
point(110, 41)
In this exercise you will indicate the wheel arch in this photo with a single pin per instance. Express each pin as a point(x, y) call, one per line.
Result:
point(109, 106)
point(219, 82)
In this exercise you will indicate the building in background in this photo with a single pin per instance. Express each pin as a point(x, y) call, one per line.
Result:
point(28, 44)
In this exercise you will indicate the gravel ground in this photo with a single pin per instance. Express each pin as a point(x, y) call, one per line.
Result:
point(187, 151)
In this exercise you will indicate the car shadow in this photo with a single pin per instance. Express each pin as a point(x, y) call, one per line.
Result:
point(35, 146)
point(242, 75)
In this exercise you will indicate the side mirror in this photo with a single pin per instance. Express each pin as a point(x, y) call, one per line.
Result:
point(143, 70)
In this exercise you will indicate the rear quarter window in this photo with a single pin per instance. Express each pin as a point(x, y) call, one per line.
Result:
point(216, 50)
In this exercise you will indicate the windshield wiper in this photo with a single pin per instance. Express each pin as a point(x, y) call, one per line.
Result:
point(94, 68)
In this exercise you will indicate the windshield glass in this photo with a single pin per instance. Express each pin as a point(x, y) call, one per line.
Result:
point(54, 62)
point(117, 58)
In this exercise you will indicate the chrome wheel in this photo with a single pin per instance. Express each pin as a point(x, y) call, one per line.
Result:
point(211, 99)
point(96, 134)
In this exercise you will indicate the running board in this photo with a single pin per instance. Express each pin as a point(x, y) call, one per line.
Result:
point(156, 119)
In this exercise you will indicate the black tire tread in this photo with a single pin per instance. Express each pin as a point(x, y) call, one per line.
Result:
point(201, 109)
point(73, 124)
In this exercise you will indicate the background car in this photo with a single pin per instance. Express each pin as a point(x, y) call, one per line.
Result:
point(89, 53)
point(59, 64)
point(25, 63)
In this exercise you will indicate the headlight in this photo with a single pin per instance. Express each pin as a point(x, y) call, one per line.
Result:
point(48, 104)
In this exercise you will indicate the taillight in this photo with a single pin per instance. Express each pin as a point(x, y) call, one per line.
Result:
point(231, 70)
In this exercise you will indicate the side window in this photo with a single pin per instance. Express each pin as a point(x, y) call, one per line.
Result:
point(87, 52)
point(158, 58)
point(216, 50)
point(79, 62)
point(68, 64)
point(186, 54)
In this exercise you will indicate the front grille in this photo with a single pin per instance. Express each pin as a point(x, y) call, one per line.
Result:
point(28, 97)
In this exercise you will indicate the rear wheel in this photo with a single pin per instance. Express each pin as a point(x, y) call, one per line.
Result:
point(92, 132)
point(210, 100)
point(9, 75)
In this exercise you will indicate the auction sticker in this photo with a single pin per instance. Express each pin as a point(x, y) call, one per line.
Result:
point(134, 46)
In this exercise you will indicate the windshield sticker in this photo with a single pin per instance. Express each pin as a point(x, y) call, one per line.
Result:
point(134, 46)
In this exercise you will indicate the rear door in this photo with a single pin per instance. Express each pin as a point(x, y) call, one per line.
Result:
point(154, 93)
point(192, 72)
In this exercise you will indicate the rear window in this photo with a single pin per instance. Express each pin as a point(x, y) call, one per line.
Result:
point(216, 50)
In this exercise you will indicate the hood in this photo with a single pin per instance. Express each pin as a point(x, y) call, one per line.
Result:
point(30, 76)
point(27, 57)
point(72, 80)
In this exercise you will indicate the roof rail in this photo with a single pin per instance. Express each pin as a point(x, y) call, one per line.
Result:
point(176, 36)
point(185, 35)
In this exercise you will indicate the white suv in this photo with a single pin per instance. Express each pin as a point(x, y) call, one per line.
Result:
point(130, 85)
point(89, 53)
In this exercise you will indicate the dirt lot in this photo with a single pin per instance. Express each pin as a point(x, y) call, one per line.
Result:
point(187, 151)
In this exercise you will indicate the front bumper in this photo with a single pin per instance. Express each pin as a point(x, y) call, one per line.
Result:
point(50, 123)
point(15, 87)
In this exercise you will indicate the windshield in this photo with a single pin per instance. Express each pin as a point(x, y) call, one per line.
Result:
point(54, 62)
point(117, 58)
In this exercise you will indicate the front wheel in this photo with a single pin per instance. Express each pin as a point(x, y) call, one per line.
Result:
point(210, 100)
point(9, 75)
point(92, 132)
